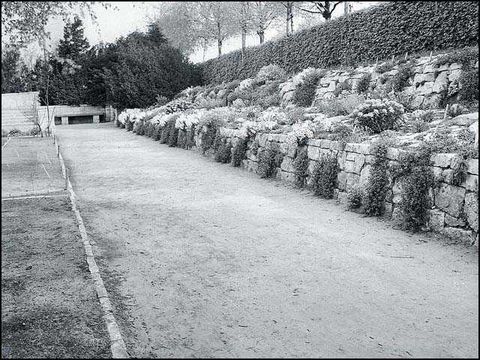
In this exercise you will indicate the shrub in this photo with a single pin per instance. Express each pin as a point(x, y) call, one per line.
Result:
point(255, 147)
point(239, 152)
point(324, 178)
point(393, 29)
point(343, 86)
point(456, 110)
point(402, 78)
point(300, 165)
point(208, 137)
point(442, 141)
point(270, 73)
point(376, 189)
point(172, 133)
point(304, 93)
point(224, 152)
point(190, 137)
point(266, 163)
point(466, 56)
point(157, 133)
point(378, 115)
point(355, 197)
point(182, 138)
point(417, 178)
point(385, 67)
point(337, 107)
point(161, 100)
point(364, 83)
point(468, 85)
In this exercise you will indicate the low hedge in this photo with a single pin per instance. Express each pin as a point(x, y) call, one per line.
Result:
point(378, 32)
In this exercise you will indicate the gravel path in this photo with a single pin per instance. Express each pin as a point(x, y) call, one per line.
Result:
point(206, 260)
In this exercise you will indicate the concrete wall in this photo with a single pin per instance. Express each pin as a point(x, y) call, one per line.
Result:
point(65, 111)
point(19, 111)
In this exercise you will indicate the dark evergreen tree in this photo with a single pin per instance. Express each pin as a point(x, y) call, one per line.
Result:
point(74, 44)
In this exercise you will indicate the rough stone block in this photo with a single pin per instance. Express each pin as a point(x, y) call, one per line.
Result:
point(352, 180)
point(454, 75)
point(436, 220)
point(313, 152)
point(471, 183)
point(425, 89)
point(365, 175)
point(450, 199)
point(455, 222)
point(473, 166)
point(288, 177)
point(464, 236)
point(441, 83)
point(442, 160)
point(314, 142)
point(342, 180)
point(342, 197)
point(429, 69)
point(287, 165)
point(455, 66)
point(471, 210)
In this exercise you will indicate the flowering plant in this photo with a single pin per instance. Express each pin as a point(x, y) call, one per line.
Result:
point(301, 132)
point(377, 115)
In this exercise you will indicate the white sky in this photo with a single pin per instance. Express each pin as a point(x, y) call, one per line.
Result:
point(124, 17)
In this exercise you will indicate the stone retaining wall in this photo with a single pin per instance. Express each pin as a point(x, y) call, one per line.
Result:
point(429, 84)
point(455, 208)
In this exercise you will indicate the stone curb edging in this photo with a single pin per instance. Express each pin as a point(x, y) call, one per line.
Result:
point(117, 345)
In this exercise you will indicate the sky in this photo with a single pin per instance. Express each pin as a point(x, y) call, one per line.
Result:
point(124, 17)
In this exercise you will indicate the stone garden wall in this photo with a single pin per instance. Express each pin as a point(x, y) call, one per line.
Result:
point(455, 207)
point(428, 85)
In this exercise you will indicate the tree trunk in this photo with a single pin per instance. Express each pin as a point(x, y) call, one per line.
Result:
point(219, 39)
point(244, 41)
point(345, 8)
point(261, 35)
point(291, 20)
point(288, 19)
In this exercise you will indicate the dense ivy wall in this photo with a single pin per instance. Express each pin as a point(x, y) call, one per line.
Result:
point(379, 32)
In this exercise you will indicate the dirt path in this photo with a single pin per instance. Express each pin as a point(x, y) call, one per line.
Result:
point(207, 260)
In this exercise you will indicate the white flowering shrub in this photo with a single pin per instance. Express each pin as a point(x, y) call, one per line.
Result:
point(130, 116)
point(189, 118)
point(301, 132)
point(274, 114)
point(246, 85)
point(270, 73)
point(377, 115)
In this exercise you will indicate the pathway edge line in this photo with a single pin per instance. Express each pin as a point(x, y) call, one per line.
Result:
point(117, 345)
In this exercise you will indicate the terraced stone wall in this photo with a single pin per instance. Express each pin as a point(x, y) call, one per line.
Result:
point(455, 207)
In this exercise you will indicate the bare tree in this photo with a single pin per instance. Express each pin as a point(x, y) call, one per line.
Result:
point(176, 21)
point(264, 13)
point(325, 8)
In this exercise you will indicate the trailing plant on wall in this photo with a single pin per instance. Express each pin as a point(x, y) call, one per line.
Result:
point(304, 93)
point(417, 179)
point(402, 78)
point(266, 163)
point(239, 152)
point(364, 83)
point(224, 152)
point(355, 197)
point(376, 189)
point(324, 178)
point(300, 165)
